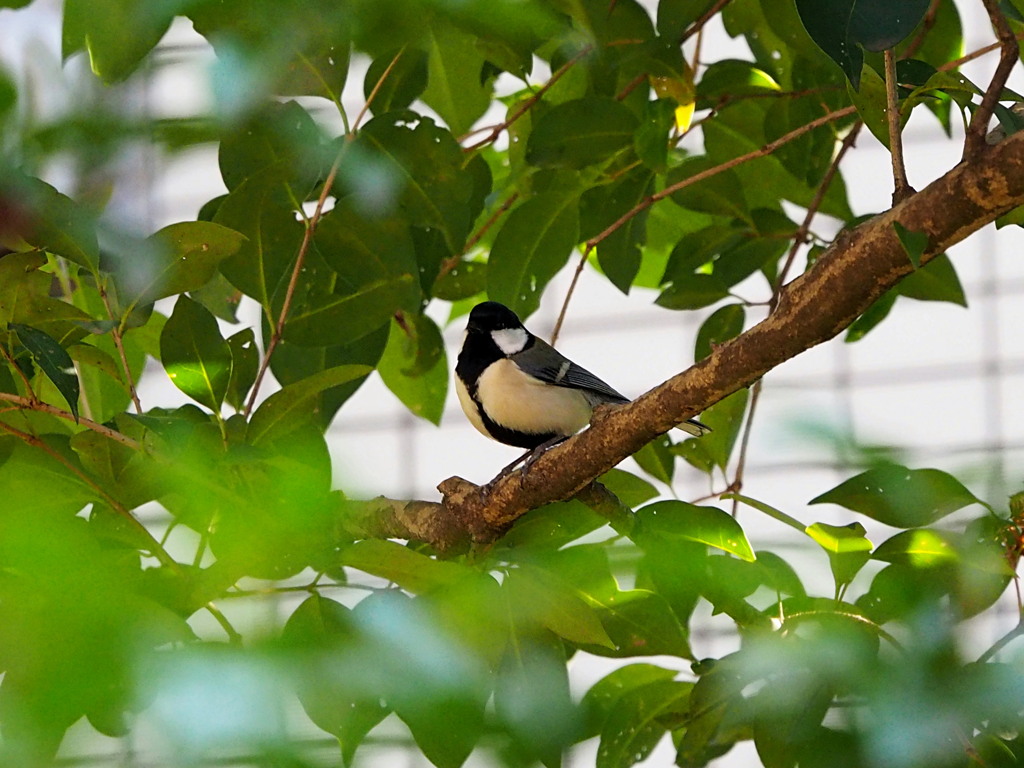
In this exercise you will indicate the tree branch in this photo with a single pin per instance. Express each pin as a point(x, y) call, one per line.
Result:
point(975, 143)
point(902, 188)
point(859, 267)
point(38, 405)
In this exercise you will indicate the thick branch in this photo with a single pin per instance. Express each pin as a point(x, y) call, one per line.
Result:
point(857, 269)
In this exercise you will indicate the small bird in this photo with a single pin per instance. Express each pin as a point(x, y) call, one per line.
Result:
point(519, 390)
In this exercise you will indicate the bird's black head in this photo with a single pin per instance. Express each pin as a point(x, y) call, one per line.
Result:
point(492, 316)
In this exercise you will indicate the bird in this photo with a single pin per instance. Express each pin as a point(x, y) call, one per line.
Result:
point(519, 390)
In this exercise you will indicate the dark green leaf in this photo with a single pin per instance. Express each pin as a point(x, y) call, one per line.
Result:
point(872, 316)
point(580, 133)
point(723, 324)
point(56, 223)
point(706, 525)
point(598, 702)
point(245, 363)
point(692, 292)
point(534, 243)
point(53, 360)
point(347, 316)
point(195, 356)
point(901, 497)
point(294, 405)
point(454, 89)
point(405, 81)
point(726, 420)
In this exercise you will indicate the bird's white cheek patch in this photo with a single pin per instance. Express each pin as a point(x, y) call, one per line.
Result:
point(522, 403)
point(511, 341)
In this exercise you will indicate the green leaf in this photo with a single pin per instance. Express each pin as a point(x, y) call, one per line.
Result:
point(871, 317)
point(634, 725)
point(935, 281)
point(723, 324)
point(721, 194)
point(454, 89)
point(279, 135)
point(536, 596)
point(180, 257)
point(259, 209)
point(900, 497)
point(581, 132)
point(725, 418)
point(706, 525)
point(657, 460)
point(598, 702)
point(405, 81)
point(534, 243)
point(919, 548)
point(847, 546)
point(842, 27)
point(294, 405)
point(630, 489)
point(99, 26)
point(404, 162)
point(325, 320)
point(870, 98)
point(53, 360)
point(195, 356)
point(410, 570)
point(245, 363)
point(914, 243)
point(57, 223)
point(692, 292)
point(421, 391)
point(731, 78)
point(323, 633)
point(619, 253)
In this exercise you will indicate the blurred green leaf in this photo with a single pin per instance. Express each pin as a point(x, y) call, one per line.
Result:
point(245, 363)
point(914, 243)
point(707, 525)
point(411, 570)
point(195, 355)
point(920, 548)
point(532, 593)
point(633, 728)
point(598, 702)
point(405, 81)
point(53, 360)
point(900, 497)
point(99, 28)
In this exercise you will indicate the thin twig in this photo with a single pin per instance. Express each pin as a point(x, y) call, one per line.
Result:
point(741, 462)
point(21, 374)
point(568, 294)
point(115, 334)
point(30, 404)
point(698, 25)
point(805, 226)
point(892, 112)
point(1002, 642)
point(926, 26)
point(1008, 50)
point(767, 149)
point(453, 261)
point(525, 105)
point(307, 239)
point(155, 549)
point(233, 637)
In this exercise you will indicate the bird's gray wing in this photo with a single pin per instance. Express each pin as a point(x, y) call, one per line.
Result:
point(546, 363)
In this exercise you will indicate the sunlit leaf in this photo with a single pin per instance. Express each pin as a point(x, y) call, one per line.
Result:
point(195, 355)
point(706, 525)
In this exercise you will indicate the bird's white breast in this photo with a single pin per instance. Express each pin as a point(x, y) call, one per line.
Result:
point(520, 402)
point(469, 407)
